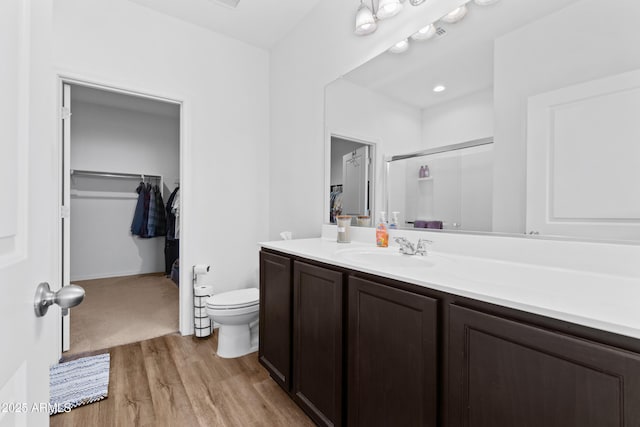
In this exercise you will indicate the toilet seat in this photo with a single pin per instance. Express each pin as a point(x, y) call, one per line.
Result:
point(234, 300)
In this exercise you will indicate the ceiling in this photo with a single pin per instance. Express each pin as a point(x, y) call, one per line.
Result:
point(462, 59)
point(258, 22)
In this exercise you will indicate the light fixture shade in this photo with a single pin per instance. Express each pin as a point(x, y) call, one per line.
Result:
point(439, 88)
point(484, 2)
point(400, 47)
point(388, 8)
point(365, 21)
point(455, 15)
point(424, 33)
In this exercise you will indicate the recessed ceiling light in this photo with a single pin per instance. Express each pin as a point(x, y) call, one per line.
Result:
point(439, 88)
point(400, 47)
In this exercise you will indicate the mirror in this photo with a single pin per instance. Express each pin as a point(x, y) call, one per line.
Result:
point(498, 65)
point(446, 188)
point(351, 180)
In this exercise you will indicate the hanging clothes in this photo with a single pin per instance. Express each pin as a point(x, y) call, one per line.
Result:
point(149, 216)
point(171, 243)
point(145, 215)
point(171, 217)
point(175, 209)
point(138, 215)
point(160, 217)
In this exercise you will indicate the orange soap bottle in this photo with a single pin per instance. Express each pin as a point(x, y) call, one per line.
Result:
point(382, 234)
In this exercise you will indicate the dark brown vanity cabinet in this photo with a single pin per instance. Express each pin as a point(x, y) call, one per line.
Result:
point(506, 373)
point(356, 349)
point(317, 342)
point(392, 356)
point(276, 294)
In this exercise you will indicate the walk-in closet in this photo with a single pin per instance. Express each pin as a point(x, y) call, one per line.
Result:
point(122, 176)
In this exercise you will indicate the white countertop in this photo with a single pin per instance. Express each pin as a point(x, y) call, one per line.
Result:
point(603, 301)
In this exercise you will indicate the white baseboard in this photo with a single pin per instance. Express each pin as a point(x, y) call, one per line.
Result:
point(108, 275)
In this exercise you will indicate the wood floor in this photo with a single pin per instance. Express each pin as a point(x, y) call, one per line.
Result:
point(180, 381)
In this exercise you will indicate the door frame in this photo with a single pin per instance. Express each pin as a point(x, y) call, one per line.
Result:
point(62, 78)
point(373, 153)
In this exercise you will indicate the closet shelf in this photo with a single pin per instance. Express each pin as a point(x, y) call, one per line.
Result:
point(82, 194)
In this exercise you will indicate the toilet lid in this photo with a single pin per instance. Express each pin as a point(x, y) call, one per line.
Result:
point(235, 299)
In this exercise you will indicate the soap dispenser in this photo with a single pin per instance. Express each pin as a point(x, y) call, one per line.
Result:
point(393, 224)
point(382, 234)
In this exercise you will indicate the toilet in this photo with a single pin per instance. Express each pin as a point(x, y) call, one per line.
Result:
point(236, 312)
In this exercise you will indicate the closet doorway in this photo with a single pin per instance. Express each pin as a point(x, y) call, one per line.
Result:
point(121, 215)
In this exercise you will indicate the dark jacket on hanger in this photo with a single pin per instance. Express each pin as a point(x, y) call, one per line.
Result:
point(171, 218)
point(138, 215)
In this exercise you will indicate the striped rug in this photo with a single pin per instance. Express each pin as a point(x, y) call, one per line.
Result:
point(78, 382)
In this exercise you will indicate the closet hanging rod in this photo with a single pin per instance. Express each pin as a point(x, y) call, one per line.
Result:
point(113, 174)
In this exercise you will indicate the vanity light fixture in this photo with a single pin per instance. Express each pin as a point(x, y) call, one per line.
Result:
point(455, 15)
point(424, 33)
point(400, 47)
point(365, 20)
point(367, 17)
point(388, 8)
point(439, 88)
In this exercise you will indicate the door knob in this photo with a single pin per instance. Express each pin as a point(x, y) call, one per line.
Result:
point(66, 297)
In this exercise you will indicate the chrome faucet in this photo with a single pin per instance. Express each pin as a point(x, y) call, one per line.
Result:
point(421, 248)
point(407, 248)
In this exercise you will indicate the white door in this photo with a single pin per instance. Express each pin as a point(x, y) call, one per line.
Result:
point(27, 219)
point(355, 182)
point(583, 160)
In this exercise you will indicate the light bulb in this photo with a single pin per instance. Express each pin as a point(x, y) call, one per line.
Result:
point(388, 8)
point(439, 88)
point(424, 33)
point(400, 47)
point(365, 22)
point(455, 15)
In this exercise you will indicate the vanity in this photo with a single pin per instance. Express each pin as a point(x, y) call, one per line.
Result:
point(359, 335)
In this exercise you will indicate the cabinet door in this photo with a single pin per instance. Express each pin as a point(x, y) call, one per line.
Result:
point(275, 317)
point(317, 341)
point(505, 373)
point(392, 362)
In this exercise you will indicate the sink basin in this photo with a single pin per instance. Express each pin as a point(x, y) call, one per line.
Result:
point(384, 257)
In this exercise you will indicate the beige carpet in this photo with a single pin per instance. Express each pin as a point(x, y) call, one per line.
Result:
point(122, 310)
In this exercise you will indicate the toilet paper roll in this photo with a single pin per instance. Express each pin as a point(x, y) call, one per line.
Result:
point(200, 312)
point(200, 269)
point(202, 322)
point(203, 290)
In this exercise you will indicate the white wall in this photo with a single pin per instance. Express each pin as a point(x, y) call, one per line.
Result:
point(459, 120)
point(357, 112)
point(319, 50)
point(562, 49)
point(110, 139)
point(224, 84)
